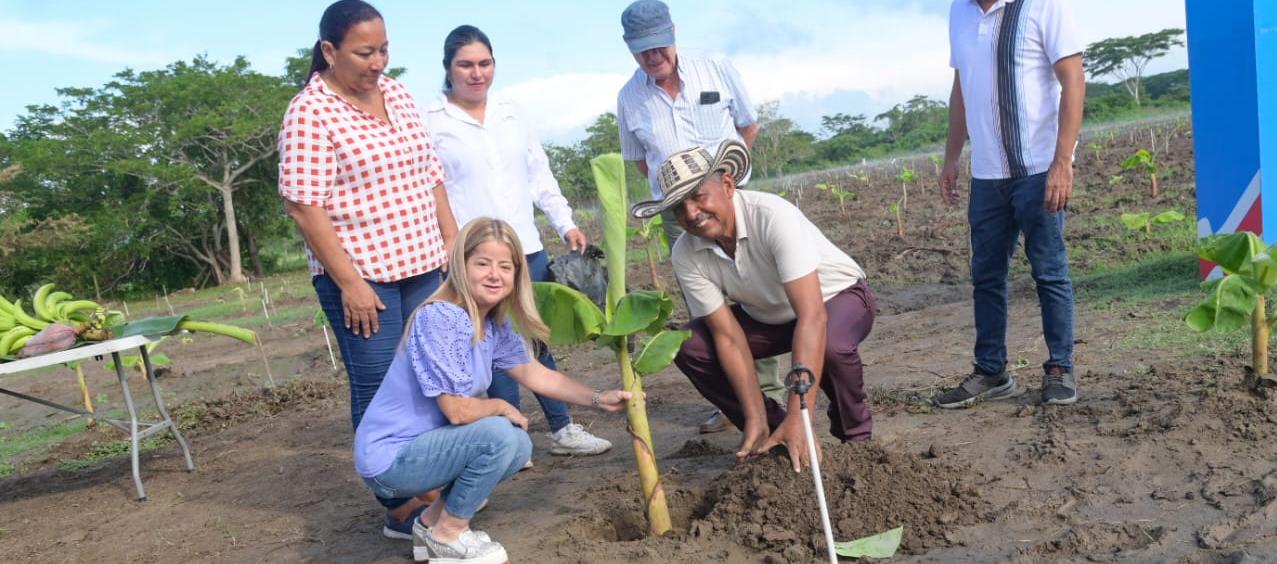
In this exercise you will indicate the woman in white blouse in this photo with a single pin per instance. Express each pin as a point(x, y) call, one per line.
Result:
point(496, 168)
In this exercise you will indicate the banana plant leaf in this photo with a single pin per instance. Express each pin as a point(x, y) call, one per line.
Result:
point(150, 327)
point(881, 545)
point(1228, 306)
point(609, 177)
point(570, 314)
point(1168, 216)
point(659, 351)
point(644, 310)
point(1134, 221)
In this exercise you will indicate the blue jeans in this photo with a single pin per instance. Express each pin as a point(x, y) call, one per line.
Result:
point(504, 387)
point(467, 461)
point(999, 211)
point(368, 359)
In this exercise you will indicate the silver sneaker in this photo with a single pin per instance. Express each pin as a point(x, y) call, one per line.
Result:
point(978, 386)
point(574, 439)
point(471, 547)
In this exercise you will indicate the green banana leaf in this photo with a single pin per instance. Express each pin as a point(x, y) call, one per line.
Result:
point(1228, 306)
point(881, 545)
point(659, 351)
point(570, 314)
point(1135, 221)
point(1234, 252)
point(149, 327)
point(609, 178)
point(645, 311)
point(1168, 216)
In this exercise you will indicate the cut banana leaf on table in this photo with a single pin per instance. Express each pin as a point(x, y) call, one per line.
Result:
point(155, 326)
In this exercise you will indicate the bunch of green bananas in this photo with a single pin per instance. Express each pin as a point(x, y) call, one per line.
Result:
point(87, 318)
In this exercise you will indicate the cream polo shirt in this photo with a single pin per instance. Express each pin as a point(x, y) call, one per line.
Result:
point(496, 169)
point(775, 244)
point(1005, 61)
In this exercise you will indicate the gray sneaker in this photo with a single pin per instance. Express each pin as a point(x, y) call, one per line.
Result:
point(1059, 387)
point(978, 386)
point(471, 547)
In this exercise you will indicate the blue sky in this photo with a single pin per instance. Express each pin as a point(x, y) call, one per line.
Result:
point(563, 61)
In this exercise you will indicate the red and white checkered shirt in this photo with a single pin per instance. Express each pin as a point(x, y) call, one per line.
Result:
point(374, 178)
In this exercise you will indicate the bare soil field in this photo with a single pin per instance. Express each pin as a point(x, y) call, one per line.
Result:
point(1167, 457)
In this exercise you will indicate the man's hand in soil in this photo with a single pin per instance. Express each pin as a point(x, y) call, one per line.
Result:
point(754, 435)
point(949, 183)
point(790, 434)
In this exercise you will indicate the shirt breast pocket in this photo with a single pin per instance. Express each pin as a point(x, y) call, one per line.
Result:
point(713, 119)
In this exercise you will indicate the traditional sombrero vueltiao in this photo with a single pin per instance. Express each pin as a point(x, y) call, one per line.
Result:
point(683, 172)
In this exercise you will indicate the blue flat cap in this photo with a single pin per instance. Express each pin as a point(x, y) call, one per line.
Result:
point(647, 25)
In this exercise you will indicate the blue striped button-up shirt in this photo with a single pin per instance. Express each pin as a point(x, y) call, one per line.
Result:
point(710, 107)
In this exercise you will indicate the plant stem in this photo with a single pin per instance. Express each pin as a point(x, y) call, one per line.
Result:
point(1259, 339)
point(651, 262)
point(84, 391)
point(1154, 177)
point(658, 515)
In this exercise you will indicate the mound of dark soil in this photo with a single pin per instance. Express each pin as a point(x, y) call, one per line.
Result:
point(204, 415)
point(766, 506)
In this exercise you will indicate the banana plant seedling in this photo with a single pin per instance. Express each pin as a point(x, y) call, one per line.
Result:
point(1249, 271)
point(1097, 148)
point(573, 318)
point(654, 239)
point(905, 177)
point(1142, 220)
point(1143, 160)
point(838, 193)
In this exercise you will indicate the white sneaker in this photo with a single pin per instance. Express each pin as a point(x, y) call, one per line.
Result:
point(574, 439)
point(472, 547)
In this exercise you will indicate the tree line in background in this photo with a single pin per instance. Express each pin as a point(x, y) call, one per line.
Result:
point(167, 178)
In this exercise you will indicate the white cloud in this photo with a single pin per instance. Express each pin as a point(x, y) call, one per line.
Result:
point(78, 40)
point(564, 103)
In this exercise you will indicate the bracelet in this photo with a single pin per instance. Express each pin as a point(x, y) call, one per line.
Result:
point(594, 399)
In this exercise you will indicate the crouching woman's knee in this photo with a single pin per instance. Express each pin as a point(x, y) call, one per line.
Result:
point(510, 445)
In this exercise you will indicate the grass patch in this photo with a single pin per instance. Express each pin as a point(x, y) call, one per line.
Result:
point(111, 449)
point(39, 439)
point(1155, 294)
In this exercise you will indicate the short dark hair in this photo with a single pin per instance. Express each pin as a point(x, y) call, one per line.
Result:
point(336, 22)
point(458, 38)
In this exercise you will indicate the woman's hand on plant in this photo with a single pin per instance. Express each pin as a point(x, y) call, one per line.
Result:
point(949, 183)
point(613, 401)
point(360, 305)
point(754, 435)
point(576, 240)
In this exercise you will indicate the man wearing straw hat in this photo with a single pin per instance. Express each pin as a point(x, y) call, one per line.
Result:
point(792, 291)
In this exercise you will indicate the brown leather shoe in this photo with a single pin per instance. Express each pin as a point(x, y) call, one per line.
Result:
point(716, 423)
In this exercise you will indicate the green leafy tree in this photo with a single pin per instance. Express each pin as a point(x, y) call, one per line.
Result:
point(1125, 58)
point(780, 142)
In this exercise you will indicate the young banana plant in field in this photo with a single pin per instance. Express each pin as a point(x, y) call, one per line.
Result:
point(905, 177)
point(1249, 271)
point(653, 233)
point(1142, 220)
point(1143, 160)
point(837, 192)
point(573, 318)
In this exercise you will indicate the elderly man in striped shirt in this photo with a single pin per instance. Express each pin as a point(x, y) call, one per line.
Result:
point(1018, 88)
point(675, 101)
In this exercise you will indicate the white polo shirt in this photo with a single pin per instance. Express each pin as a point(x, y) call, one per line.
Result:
point(496, 169)
point(775, 244)
point(1004, 58)
point(710, 106)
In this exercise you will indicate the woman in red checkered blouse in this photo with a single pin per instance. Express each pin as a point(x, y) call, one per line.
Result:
point(359, 175)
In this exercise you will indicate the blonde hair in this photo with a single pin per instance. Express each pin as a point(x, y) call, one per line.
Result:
point(519, 306)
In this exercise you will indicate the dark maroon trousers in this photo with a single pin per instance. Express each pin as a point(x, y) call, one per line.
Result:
point(850, 318)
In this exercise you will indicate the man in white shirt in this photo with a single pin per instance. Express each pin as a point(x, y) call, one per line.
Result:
point(1018, 88)
point(675, 101)
point(793, 291)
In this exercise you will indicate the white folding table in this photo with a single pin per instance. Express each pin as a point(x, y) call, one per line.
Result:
point(137, 430)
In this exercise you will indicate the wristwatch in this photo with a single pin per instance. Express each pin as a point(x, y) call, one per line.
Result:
point(594, 399)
